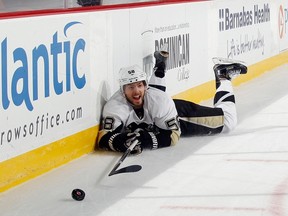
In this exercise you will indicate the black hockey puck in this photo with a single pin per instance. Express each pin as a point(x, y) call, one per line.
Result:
point(78, 194)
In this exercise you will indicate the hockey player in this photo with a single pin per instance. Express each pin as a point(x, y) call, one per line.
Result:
point(137, 110)
point(143, 111)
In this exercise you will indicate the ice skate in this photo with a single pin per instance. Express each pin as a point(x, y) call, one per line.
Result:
point(161, 57)
point(229, 71)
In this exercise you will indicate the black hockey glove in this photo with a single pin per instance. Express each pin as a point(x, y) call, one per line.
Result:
point(148, 140)
point(122, 141)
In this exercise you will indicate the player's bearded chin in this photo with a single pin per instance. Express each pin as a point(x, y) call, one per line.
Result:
point(136, 100)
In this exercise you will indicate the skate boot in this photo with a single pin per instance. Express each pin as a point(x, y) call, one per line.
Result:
point(161, 57)
point(229, 71)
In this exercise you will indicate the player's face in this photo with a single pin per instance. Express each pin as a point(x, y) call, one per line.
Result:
point(134, 93)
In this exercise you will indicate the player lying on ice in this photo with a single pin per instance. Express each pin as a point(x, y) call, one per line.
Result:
point(146, 112)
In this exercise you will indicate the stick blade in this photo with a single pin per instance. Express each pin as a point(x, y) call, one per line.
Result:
point(128, 169)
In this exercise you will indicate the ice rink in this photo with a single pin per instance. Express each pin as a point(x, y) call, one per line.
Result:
point(244, 173)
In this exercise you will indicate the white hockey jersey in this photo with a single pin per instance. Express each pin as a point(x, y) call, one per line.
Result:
point(159, 110)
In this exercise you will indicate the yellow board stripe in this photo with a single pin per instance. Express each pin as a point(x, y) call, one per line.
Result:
point(34, 163)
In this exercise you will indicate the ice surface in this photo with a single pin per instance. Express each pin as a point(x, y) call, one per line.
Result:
point(243, 173)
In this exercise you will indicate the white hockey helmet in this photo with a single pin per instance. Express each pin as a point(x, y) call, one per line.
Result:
point(130, 75)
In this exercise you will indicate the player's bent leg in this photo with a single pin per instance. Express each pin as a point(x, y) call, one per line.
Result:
point(225, 99)
point(157, 79)
point(230, 116)
point(225, 70)
point(195, 119)
point(157, 82)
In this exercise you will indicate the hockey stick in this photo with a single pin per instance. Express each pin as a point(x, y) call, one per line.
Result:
point(132, 168)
